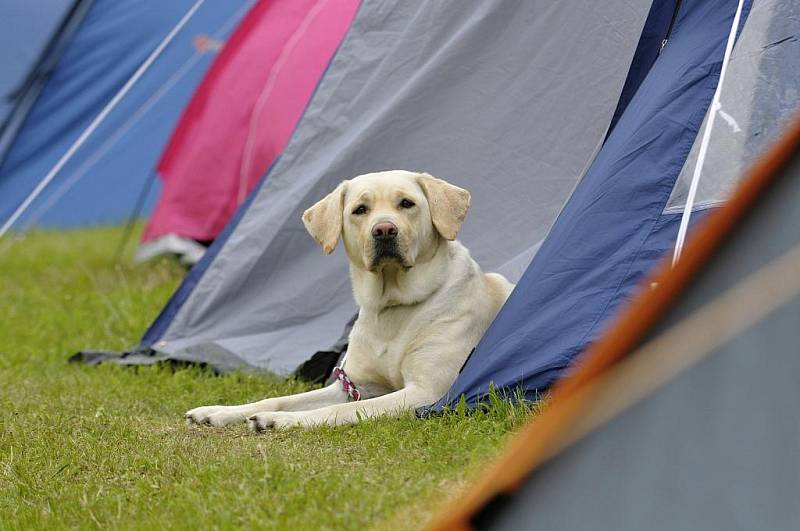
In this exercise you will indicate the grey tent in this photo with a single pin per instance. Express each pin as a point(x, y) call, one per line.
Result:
point(684, 415)
point(511, 100)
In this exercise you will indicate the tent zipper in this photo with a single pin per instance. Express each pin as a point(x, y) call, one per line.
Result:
point(671, 25)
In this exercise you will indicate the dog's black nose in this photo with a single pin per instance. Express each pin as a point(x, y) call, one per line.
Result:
point(384, 231)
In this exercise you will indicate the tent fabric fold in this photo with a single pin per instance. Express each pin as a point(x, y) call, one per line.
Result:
point(29, 32)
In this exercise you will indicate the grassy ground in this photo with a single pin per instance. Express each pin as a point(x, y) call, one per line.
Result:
point(106, 446)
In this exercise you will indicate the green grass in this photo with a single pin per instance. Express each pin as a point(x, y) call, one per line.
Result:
point(106, 447)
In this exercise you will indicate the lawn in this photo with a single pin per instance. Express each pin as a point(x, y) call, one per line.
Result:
point(106, 447)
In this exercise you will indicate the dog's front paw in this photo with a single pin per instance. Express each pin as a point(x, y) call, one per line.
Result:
point(214, 415)
point(275, 420)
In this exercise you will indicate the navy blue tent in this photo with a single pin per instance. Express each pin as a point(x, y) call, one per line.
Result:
point(614, 228)
point(76, 78)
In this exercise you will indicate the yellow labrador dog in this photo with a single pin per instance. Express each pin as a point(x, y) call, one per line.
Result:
point(424, 302)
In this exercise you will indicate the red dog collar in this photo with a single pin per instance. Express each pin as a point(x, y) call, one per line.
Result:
point(347, 385)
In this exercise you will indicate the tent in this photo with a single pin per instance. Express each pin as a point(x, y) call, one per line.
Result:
point(629, 207)
point(101, 48)
point(25, 28)
point(241, 117)
point(683, 416)
point(530, 134)
point(491, 98)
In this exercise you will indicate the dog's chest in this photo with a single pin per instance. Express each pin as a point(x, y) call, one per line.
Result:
point(378, 345)
point(385, 337)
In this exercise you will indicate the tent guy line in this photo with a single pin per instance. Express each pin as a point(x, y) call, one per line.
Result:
point(99, 118)
point(716, 107)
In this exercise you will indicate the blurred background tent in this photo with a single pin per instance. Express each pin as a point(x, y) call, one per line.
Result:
point(93, 53)
point(241, 118)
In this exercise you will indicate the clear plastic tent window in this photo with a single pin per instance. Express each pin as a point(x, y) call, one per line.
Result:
point(761, 93)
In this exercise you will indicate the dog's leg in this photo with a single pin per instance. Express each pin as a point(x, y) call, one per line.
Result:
point(347, 413)
point(224, 415)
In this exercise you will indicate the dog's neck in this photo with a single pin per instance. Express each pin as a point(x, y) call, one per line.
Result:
point(395, 285)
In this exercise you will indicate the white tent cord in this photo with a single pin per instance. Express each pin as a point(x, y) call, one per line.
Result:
point(129, 124)
point(698, 167)
point(99, 119)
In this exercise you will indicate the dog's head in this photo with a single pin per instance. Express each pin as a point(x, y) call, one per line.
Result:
point(388, 218)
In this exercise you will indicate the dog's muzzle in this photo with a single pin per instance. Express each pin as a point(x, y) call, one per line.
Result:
point(386, 251)
point(384, 238)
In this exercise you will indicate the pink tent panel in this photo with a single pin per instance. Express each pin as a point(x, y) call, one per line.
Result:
point(244, 112)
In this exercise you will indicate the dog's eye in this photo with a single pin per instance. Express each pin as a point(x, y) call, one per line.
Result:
point(360, 210)
point(406, 203)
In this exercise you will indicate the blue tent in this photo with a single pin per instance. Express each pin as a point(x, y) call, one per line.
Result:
point(614, 228)
point(88, 63)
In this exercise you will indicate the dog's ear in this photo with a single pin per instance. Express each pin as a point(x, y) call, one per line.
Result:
point(324, 220)
point(448, 204)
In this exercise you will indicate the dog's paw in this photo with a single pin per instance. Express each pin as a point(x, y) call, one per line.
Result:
point(214, 416)
point(273, 420)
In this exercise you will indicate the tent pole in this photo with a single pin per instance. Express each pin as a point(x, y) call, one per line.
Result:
point(137, 209)
point(99, 119)
point(698, 167)
point(27, 92)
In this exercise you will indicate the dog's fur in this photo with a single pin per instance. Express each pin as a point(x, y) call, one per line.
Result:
point(424, 302)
